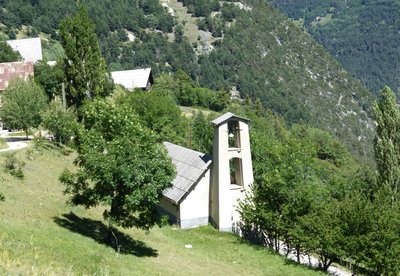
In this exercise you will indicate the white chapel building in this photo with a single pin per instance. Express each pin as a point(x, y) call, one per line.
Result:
point(207, 189)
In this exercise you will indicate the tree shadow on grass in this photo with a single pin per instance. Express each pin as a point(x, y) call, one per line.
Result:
point(97, 230)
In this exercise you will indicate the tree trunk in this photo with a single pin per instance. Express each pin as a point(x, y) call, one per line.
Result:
point(111, 237)
point(298, 253)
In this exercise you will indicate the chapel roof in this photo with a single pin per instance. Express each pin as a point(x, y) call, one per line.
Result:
point(190, 166)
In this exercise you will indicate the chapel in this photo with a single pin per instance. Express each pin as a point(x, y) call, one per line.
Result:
point(207, 189)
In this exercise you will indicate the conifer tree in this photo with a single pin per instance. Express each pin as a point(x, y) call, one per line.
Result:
point(7, 54)
point(85, 68)
point(387, 141)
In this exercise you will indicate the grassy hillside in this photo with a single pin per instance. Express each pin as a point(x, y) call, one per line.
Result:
point(362, 35)
point(40, 234)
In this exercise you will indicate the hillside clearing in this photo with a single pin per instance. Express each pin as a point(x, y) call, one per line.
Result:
point(40, 234)
point(189, 23)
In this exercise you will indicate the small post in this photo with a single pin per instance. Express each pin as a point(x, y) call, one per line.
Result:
point(64, 100)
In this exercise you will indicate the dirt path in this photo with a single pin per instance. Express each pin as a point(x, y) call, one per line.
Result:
point(312, 261)
point(15, 146)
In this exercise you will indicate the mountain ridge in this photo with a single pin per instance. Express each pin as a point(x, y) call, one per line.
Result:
point(259, 51)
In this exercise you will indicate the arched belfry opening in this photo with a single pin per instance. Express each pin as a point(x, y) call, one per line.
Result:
point(232, 170)
point(234, 134)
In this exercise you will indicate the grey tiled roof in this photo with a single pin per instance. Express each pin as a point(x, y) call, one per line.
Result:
point(190, 166)
point(228, 116)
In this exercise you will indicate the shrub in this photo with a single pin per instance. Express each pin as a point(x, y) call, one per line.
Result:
point(13, 165)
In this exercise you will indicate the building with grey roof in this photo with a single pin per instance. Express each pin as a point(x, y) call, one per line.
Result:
point(208, 189)
point(30, 49)
point(131, 79)
point(187, 200)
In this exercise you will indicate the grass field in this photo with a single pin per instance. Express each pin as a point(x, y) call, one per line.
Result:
point(40, 234)
point(3, 143)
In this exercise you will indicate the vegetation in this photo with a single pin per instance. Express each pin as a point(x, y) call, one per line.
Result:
point(22, 104)
point(286, 70)
point(50, 78)
point(120, 166)
point(62, 123)
point(40, 234)
point(85, 69)
point(311, 196)
point(3, 143)
point(265, 56)
point(13, 165)
point(387, 141)
point(7, 54)
point(361, 34)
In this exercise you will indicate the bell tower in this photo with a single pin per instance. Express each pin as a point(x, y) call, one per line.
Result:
point(232, 170)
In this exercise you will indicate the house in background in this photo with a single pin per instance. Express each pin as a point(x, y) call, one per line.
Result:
point(131, 79)
point(10, 71)
point(30, 49)
point(208, 189)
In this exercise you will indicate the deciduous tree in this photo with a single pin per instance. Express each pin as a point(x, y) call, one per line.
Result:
point(120, 166)
point(22, 103)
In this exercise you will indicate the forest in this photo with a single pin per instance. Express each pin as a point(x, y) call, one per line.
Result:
point(311, 192)
point(260, 52)
point(362, 35)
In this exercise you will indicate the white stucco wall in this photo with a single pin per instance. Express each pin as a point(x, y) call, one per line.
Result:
point(194, 209)
point(168, 208)
point(225, 196)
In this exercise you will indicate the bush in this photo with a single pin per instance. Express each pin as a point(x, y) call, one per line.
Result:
point(60, 122)
point(13, 165)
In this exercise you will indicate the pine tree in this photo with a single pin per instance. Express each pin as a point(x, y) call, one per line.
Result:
point(85, 68)
point(387, 141)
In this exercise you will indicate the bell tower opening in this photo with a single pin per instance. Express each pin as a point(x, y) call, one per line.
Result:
point(234, 134)
point(235, 168)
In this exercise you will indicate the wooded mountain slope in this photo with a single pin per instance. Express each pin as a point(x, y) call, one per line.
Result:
point(261, 52)
point(363, 35)
point(268, 57)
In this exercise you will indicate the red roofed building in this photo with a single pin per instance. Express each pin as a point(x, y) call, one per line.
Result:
point(10, 71)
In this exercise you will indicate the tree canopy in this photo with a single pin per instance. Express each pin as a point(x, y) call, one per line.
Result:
point(22, 103)
point(7, 54)
point(387, 141)
point(120, 166)
point(85, 68)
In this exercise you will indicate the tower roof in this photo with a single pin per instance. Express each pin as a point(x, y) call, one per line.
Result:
point(228, 117)
point(190, 166)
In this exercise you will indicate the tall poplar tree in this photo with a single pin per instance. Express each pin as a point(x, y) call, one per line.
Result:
point(387, 141)
point(85, 68)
